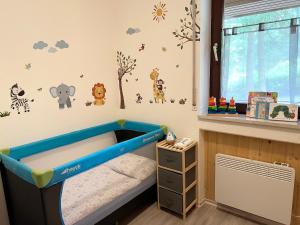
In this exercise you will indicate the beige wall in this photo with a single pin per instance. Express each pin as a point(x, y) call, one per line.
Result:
point(95, 30)
point(87, 26)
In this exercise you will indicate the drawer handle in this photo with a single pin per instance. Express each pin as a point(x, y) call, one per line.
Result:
point(169, 181)
point(170, 160)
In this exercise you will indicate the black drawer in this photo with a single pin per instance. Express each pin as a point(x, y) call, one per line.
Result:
point(170, 200)
point(190, 196)
point(170, 180)
point(190, 176)
point(169, 159)
point(190, 156)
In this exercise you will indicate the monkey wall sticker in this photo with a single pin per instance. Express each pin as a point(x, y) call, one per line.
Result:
point(99, 91)
point(17, 98)
point(158, 86)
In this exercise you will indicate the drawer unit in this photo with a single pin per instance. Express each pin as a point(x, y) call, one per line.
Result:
point(170, 200)
point(170, 159)
point(177, 177)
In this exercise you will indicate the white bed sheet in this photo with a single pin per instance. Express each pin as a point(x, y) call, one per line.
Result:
point(85, 193)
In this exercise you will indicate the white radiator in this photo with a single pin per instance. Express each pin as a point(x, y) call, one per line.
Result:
point(263, 189)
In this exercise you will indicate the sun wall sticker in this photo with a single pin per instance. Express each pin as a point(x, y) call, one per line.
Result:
point(159, 12)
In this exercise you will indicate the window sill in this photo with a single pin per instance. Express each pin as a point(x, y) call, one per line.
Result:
point(271, 130)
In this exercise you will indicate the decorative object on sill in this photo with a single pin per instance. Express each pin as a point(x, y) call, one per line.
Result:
point(212, 105)
point(98, 92)
point(4, 114)
point(232, 106)
point(17, 99)
point(262, 110)
point(254, 97)
point(171, 138)
point(222, 105)
point(283, 112)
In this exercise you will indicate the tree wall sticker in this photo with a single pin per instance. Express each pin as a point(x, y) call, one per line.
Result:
point(126, 66)
point(185, 33)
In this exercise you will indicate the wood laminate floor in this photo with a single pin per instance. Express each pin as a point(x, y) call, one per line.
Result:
point(206, 215)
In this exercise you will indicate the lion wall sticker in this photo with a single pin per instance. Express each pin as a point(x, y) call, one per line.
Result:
point(99, 91)
point(17, 98)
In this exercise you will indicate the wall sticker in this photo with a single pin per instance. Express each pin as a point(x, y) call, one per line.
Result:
point(81, 76)
point(159, 12)
point(61, 44)
point(18, 100)
point(185, 33)
point(28, 66)
point(131, 31)
point(88, 103)
point(63, 93)
point(40, 45)
point(52, 50)
point(98, 91)
point(158, 86)
point(164, 49)
point(39, 89)
point(182, 101)
point(126, 65)
point(142, 48)
point(172, 100)
point(139, 98)
point(4, 114)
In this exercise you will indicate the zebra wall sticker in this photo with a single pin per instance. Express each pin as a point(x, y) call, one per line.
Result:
point(18, 100)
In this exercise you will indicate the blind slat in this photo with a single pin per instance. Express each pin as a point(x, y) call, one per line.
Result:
point(236, 8)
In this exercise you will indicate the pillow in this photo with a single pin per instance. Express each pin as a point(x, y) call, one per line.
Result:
point(133, 165)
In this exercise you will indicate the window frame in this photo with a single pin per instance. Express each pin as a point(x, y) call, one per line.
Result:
point(217, 14)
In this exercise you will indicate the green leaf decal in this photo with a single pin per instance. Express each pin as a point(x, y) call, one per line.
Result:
point(121, 123)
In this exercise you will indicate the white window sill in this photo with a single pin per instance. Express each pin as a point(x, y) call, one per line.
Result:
point(271, 130)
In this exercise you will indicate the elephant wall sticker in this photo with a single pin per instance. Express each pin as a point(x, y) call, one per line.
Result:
point(63, 92)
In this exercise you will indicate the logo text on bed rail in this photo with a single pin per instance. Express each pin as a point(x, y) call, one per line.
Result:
point(71, 170)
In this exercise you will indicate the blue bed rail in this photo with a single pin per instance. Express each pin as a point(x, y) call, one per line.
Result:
point(46, 178)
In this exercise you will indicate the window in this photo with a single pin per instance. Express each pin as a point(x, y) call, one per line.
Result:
point(260, 49)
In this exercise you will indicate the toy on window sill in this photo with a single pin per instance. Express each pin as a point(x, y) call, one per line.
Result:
point(171, 138)
point(223, 106)
point(212, 105)
point(232, 106)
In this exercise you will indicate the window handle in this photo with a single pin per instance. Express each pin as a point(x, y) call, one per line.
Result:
point(215, 50)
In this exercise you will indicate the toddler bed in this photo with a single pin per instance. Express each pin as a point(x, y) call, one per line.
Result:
point(85, 190)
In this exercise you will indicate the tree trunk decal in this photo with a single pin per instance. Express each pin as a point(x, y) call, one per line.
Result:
point(126, 66)
point(185, 32)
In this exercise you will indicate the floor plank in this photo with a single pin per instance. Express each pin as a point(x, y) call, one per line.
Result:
point(206, 215)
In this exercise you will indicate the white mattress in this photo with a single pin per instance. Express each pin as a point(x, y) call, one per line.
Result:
point(87, 192)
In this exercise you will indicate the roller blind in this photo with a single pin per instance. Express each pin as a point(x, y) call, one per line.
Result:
point(236, 8)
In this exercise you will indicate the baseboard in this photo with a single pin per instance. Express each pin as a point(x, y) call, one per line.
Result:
point(240, 213)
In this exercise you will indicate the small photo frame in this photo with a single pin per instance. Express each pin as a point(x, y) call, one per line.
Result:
point(283, 112)
point(262, 110)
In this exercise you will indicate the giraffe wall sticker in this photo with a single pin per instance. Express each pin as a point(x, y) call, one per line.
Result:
point(158, 86)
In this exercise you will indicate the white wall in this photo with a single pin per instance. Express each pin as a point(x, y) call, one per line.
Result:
point(87, 27)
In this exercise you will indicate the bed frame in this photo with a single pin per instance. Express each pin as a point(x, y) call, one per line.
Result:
point(34, 197)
